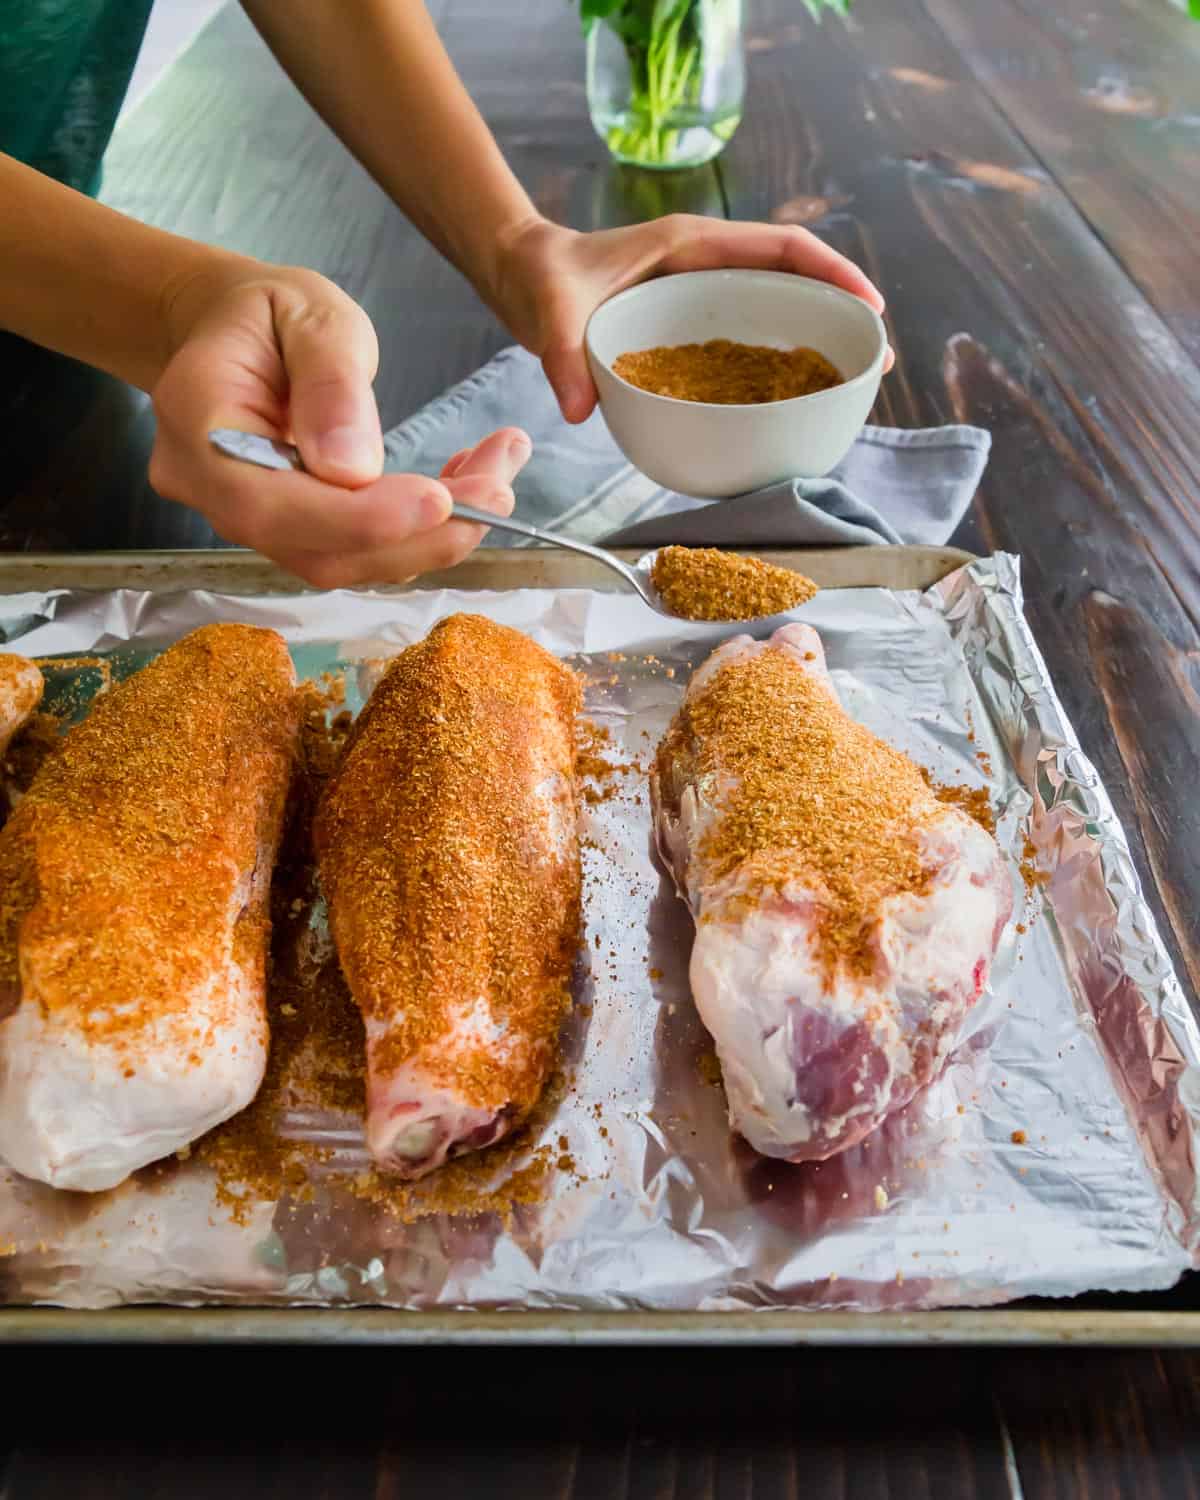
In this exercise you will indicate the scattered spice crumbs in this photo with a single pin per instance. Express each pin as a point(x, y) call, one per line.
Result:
point(975, 801)
point(49, 665)
point(1030, 874)
point(597, 775)
point(708, 1065)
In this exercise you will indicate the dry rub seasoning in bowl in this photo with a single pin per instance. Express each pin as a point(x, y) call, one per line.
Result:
point(704, 583)
point(724, 373)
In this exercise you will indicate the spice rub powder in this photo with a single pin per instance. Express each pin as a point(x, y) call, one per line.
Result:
point(725, 373)
point(815, 796)
point(704, 583)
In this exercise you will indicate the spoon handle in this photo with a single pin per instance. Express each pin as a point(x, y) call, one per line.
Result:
point(551, 539)
point(252, 448)
point(505, 523)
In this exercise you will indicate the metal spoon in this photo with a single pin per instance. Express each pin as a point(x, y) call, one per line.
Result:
point(268, 454)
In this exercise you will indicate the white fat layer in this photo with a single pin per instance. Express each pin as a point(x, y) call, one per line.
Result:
point(81, 1111)
point(74, 1116)
point(755, 977)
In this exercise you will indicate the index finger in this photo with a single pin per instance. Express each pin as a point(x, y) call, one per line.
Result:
point(274, 509)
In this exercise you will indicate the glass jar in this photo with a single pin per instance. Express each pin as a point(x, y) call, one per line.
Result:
point(666, 80)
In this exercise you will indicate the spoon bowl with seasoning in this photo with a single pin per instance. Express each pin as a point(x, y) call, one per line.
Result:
point(716, 383)
point(682, 583)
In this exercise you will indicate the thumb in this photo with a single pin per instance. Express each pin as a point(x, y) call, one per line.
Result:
point(330, 354)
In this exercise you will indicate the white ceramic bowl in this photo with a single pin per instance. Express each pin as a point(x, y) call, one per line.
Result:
point(709, 450)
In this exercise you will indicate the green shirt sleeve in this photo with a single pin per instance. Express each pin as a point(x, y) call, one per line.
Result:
point(64, 68)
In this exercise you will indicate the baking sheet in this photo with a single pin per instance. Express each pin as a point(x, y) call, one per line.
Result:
point(1084, 1050)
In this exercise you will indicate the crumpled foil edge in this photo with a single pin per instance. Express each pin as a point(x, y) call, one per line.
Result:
point(1042, 741)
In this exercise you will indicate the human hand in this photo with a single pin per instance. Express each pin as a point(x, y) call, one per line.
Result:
point(284, 353)
point(549, 280)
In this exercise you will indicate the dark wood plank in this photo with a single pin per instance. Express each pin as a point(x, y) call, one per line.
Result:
point(137, 1468)
point(1102, 1426)
point(562, 1424)
point(494, 1424)
point(1147, 680)
point(1106, 93)
point(1008, 312)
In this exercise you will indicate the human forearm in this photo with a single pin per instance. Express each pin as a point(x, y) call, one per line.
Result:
point(89, 282)
point(378, 74)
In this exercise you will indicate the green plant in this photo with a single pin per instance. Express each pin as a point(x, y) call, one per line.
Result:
point(663, 40)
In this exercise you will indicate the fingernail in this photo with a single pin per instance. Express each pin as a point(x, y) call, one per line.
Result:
point(349, 448)
point(519, 447)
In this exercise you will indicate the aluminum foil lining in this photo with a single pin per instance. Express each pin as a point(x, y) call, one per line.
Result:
point(1054, 1156)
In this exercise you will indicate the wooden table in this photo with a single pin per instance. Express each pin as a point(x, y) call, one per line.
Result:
point(1015, 175)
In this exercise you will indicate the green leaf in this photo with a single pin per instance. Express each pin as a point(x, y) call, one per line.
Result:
point(1194, 9)
point(591, 11)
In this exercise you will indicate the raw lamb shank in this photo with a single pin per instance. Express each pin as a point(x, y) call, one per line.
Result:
point(449, 857)
point(845, 918)
point(134, 877)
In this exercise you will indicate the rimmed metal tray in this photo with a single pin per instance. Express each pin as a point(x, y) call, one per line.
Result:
point(1166, 1319)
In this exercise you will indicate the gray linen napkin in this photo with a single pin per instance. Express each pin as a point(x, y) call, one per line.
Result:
point(893, 486)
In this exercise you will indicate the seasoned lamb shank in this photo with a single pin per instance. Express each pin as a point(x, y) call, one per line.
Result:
point(845, 918)
point(449, 858)
point(134, 877)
